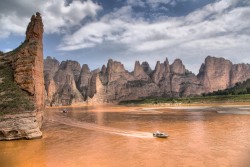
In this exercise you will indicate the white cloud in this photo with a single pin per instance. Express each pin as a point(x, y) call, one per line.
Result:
point(219, 28)
point(76, 46)
point(12, 24)
point(154, 3)
point(57, 17)
point(210, 22)
point(220, 42)
point(88, 35)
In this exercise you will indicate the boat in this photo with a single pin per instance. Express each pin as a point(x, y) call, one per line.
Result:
point(160, 134)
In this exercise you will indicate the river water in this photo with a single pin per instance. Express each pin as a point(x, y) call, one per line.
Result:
point(117, 136)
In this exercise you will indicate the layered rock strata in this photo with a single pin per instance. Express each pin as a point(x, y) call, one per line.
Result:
point(21, 126)
point(27, 64)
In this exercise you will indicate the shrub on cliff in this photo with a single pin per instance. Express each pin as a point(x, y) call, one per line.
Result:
point(12, 98)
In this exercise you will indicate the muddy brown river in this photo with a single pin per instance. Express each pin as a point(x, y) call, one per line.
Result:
point(117, 136)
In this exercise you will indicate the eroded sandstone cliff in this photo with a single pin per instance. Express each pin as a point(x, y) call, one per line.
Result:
point(26, 62)
point(219, 74)
point(113, 83)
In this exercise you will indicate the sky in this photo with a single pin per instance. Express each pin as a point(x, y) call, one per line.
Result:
point(93, 31)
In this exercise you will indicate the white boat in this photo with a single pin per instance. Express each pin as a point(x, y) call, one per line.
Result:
point(160, 134)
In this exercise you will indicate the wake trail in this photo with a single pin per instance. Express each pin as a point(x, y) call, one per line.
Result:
point(105, 129)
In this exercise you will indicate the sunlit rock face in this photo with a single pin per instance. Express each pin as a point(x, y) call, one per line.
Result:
point(113, 83)
point(183, 82)
point(122, 85)
point(21, 126)
point(161, 76)
point(27, 64)
point(215, 74)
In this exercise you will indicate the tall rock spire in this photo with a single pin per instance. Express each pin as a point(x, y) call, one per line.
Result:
point(139, 72)
point(35, 28)
point(27, 62)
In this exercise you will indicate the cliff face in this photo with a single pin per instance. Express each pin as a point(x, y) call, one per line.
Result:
point(215, 74)
point(219, 73)
point(27, 64)
point(122, 85)
point(27, 61)
point(65, 82)
point(113, 83)
point(239, 73)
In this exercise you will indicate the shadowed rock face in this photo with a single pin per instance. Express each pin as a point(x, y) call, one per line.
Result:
point(51, 66)
point(83, 83)
point(239, 72)
point(139, 72)
point(146, 68)
point(113, 83)
point(66, 79)
point(27, 64)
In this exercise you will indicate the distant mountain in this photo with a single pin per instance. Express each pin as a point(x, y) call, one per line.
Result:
point(68, 83)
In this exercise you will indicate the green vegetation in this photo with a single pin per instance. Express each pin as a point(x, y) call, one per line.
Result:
point(190, 100)
point(240, 88)
point(239, 93)
point(12, 98)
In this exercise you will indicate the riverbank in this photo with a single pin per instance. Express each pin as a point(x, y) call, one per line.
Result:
point(199, 100)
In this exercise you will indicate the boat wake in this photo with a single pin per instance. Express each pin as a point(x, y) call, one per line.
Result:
point(95, 127)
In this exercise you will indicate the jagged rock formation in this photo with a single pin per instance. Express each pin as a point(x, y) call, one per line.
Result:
point(219, 74)
point(113, 83)
point(123, 85)
point(61, 85)
point(139, 71)
point(161, 77)
point(27, 64)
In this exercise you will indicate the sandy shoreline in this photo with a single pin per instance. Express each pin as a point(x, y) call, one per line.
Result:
point(225, 107)
point(160, 105)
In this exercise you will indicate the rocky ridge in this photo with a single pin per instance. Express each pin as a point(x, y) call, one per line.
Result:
point(26, 62)
point(113, 83)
